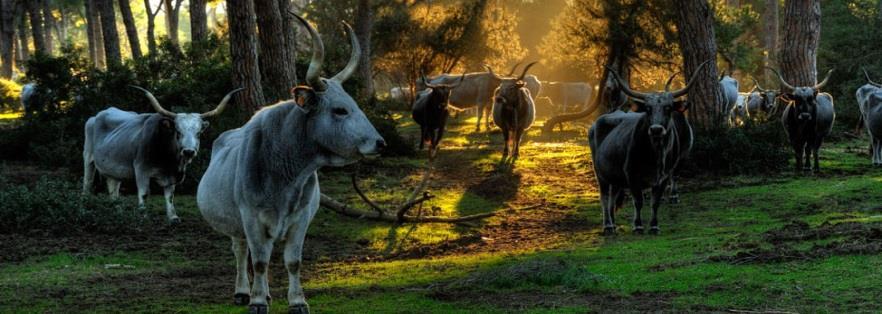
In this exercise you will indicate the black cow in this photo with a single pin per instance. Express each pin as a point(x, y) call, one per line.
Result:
point(639, 150)
point(808, 118)
point(430, 111)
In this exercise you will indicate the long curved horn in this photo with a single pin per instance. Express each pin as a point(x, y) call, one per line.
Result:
point(685, 89)
point(624, 85)
point(824, 82)
point(757, 84)
point(521, 78)
point(154, 102)
point(513, 69)
point(780, 78)
point(490, 70)
point(670, 80)
point(354, 58)
point(426, 81)
point(318, 57)
point(461, 78)
point(222, 105)
point(868, 78)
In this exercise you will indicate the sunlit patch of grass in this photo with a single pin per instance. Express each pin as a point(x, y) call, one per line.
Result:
point(11, 115)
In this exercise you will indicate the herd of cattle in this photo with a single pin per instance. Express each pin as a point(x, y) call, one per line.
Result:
point(261, 185)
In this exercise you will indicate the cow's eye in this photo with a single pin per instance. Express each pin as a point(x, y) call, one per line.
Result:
point(340, 111)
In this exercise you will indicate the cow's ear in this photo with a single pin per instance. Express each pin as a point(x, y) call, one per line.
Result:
point(205, 125)
point(681, 106)
point(304, 96)
point(638, 105)
point(167, 124)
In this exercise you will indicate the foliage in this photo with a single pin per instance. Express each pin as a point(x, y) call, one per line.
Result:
point(757, 148)
point(10, 93)
point(58, 207)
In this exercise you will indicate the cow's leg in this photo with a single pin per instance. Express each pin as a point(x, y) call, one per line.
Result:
point(243, 290)
point(877, 151)
point(657, 192)
point(606, 205)
point(816, 147)
point(169, 192)
point(422, 137)
point(293, 253)
point(143, 182)
point(480, 115)
point(807, 165)
point(113, 187)
point(798, 151)
point(637, 194)
point(261, 247)
point(505, 136)
point(675, 193)
point(517, 143)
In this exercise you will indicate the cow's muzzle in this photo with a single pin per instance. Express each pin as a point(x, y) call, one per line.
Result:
point(657, 130)
point(188, 153)
point(804, 116)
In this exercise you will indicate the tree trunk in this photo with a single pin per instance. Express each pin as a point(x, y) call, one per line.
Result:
point(771, 35)
point(108, 30)
point(96, 38)
point(696, 32)
point(198, 21)
point(799, 50)
point(364, 24)
point(273, 57)
point(23, 52)
point(36, 18)
point(151, 26)
point(48, 26)
point(172, 14)
point(7, 37)
point(125, 10)
point(289, 27)
point(243, 50)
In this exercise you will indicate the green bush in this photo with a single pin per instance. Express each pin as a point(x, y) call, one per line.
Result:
point(10, 93)
point(57, 207)
point(756, 148)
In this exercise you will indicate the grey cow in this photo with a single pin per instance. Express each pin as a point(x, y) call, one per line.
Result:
point(567, 93)
point(513, 111)
point(808, 118)
point(639, 150)
point(261, 186)
point(869, 98)
point(122, 145)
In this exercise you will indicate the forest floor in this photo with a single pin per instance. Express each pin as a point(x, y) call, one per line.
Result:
point(770, 243)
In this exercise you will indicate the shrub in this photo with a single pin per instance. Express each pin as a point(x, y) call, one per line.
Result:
point(57, 207)
point(756, 148)
point(10, 93)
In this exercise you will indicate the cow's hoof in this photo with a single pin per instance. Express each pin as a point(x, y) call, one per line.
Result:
point(241, 299)
point(298, 309)
point(675, 200)
point(174, 220)
point(654, 231)
point(638, 230)
point(609, 231)
point(258, 309)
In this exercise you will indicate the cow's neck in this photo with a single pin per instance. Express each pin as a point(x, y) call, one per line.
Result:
point(161, 149)
point(289, 151)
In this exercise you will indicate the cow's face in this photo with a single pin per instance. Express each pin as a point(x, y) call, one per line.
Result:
point(335, 122)
point(188, 127)
point(803, 101)
point(440, 95)
point(508, 93)
point(658, 108)
point(769, 99)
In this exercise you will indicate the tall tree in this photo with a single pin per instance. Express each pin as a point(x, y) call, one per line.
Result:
point(364, 25)
point(151, 25)
point(23, 52)
point(289, 27)
point(198, 21)
point(48, 25)
point(172, 15)
point(108, 30)
point(695, 25)
point(93, 33)
point(36, 17)
point(799, 52)
point(770, 30)
point(125, 10)
point(273, 57)
point(243, 50)
point(7, 37)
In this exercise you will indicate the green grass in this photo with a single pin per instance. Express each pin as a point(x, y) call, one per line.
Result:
point(679, 270)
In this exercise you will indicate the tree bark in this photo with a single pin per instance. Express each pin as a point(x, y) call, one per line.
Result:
point(93, 32)
point(125, 10)
point(172, 14)
point(771, 34)
point(696, 32)
point(36, 18)
point(108, 30)
point(273, 57)
point(7, 37)
point(799, 51)
point(48, 26)
point(243, 50)
point(23, 52)
point(364, 24)
point(151, 26)
point(289, 27)
point(198, 21)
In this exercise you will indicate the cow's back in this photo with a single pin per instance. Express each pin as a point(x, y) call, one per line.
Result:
point(611, 141)
point(113, 137)
point(729, 88)
point(475, 88)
